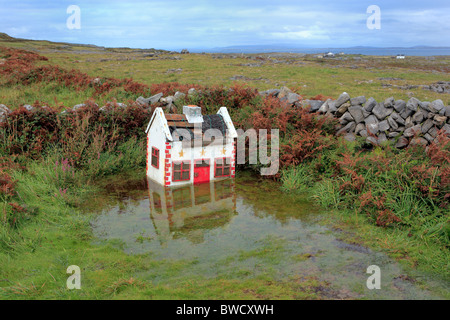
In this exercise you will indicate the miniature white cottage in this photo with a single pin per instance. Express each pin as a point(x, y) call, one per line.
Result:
point(190, 148)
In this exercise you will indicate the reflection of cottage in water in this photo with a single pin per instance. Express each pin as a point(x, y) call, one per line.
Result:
point(191, 210)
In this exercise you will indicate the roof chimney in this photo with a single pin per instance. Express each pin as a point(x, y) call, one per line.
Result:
point(193, 114)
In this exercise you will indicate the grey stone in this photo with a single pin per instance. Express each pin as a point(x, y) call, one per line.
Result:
point(192, 92)
point(428, 137)
point(324, 107)
point(366, 113)
point(141, 100)
point(284, 92)
point(409, 123)
point(350, 137)
point(425, 105)
point(360, 127)
point(439, 121)
point(389, 102)
point(358, 101)
point(155, 98)
point(382, 138)
point(418, 117)
point(392, 123)
point(346, 118)
point(371, 103)
point(178, 95)
point(447, 111)
point(363, 133)
point(78, 106)
point(446, 129)
point(166, 100)
point(400, 129)
point(372, 124)
point(418, 142)
point(28, 107)
point(397, 118)
point(357, 113)
point(433, 132)
point(4, 111)
point(412, 104)
point(411, 132)
point(393, 134)
point(372, 140)
point(343, 109)
point(427, 125)
point(315, 104)
point(383, 126)
point(399, 105)
point(332, 106)
point(381, 112)
point(406, 113)
point(402, 142)
point(343, 98)
point(348, 128)
point(437, 105)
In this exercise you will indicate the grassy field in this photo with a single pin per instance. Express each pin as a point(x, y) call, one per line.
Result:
point(396, 201)
point(309, 76)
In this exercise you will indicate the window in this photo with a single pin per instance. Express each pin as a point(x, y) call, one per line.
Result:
point(155, 157)
point(181, 170)
point(222, 167)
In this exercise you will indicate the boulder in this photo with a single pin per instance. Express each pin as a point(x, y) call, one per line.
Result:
point(406, 113)
point(372, 124)
point(412, 104)
point(360, 127)
point(343, 98)
point(402, 142)
point(293, 97)
point(192, 91)
point(371, 103)
point(348, 128)
point(439, 121)
point(392, 123)
point(436, 106)
point(383, 126)
point(346, 118)
point(372, 140)
point(78, 106)
point(381, 112)
point(350, 137)
point(178, 95)
point(418, 117)
point(358, 101)
point(427, 125)
point(324, 107)
point(382, 138)
point(393, 134)
point(155, 98)
point(4, 111)
point(411, 132)
point(399, 105)
point(284, 92)
point(418, 142)
point(389, 102)
point(342, 109)
point(357, 113)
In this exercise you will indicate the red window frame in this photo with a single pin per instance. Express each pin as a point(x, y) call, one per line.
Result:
point(226, 163)
point(181, 170)
point(155, 153)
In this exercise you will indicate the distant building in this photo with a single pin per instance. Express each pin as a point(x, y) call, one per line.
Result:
point(400, 56)
point(329, 55)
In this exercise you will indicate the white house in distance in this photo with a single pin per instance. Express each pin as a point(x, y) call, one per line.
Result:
point(190, 148)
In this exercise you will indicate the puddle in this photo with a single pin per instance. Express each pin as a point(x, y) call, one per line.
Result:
point(241, 229)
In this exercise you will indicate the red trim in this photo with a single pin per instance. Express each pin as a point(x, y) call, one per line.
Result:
point(181, 170)
point(224, 164)
point(155, 153)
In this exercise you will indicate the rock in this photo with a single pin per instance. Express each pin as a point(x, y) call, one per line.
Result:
point(366, 114)
point(284, 92)
point(28, 107)
point(393, 134)
point(343, 98)
point(411, 132)
point(427, 125)
point(358, 101)
point(332, 106)
point(439, 121)
point(324, 107)
point(447, 111)
point(392, 123)
point(436, 106)
point(412, 104)
point(363, 133)
point(155, 98)
point(342, 109)
point(425, 105)
point(293, 97)
point(360, 127)
point(402, 142)
point(406, 113)
point(381, 112)
point(192, 92)
point(382, 138)
point(371, 103)
point(346, 118)
point(78, 106)
point(120, 105)
point(372, 140)
point(418, 117)
point(350, 137)
point(269, 92)
point(399, 105)
point(357, 113)
point(446, 129)
point(397, 118)
point(166, 100)
point(348, 128)
point(409, 123)
point(418, 142)
point(428, 137)
point(178, 95)
point(4, 111)
point(433, 132)
point(383, 126)
point(389, 102)
point(372, 124)
point(142, 101)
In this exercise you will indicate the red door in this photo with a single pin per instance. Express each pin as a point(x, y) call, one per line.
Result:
point(201, 171)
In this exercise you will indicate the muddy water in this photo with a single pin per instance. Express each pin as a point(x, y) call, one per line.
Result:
point(245, 228)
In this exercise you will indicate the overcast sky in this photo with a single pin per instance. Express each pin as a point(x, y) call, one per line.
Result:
point(212, 23)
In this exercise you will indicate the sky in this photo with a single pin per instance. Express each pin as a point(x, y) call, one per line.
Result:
point(208, 24)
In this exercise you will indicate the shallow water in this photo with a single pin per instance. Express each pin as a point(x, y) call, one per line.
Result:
point(242, 229)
